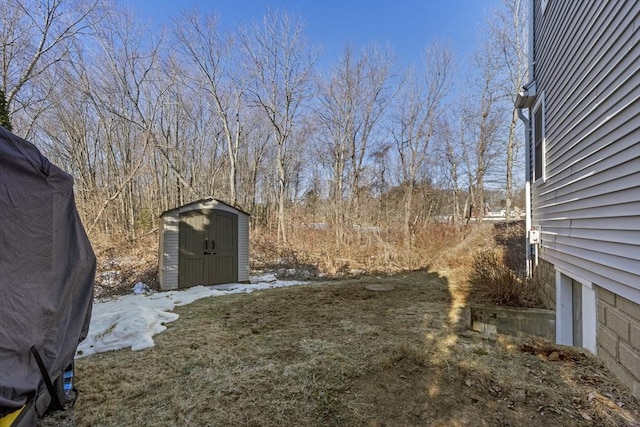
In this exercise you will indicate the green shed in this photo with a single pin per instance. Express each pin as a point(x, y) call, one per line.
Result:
point(205, 242)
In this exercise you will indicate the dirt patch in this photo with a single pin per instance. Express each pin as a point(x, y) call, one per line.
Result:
point(334, 353)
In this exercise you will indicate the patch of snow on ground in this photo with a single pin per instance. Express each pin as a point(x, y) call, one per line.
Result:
point(133, 320)
point(265, 278)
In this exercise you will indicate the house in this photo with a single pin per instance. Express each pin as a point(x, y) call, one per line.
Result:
point(205, 242)
point(583, 173)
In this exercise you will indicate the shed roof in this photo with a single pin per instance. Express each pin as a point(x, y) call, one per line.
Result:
point(205, 200)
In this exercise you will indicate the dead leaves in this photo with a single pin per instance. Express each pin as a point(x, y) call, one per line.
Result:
point(551, 353)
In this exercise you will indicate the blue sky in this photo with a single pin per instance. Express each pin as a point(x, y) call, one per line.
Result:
point(406, 25)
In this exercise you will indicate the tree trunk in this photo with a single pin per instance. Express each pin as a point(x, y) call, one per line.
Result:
point(510, 159)
point(408, 202)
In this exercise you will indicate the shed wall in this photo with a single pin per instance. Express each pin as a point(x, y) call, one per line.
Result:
point(587, 62)
point(243, 247)
point(168, 268)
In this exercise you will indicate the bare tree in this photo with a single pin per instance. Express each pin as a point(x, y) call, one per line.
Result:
point(145, 124)
point(35, 35)
point(374, 95)
point(256, 154)
point(188, 142)
point(124, 88)
point(450, 141)
point(487, 113)
point(481, 114)
point(70, 130)
point(279, 64)
point(487, 126)
point(5, 121)
point(415, 119)
point(508, 33)
point(201, 45)
point(337, 130)
point(352, 102)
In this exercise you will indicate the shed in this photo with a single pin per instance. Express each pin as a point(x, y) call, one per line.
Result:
point(205, 242)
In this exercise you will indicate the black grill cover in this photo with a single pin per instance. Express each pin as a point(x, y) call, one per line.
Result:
point(47, 271)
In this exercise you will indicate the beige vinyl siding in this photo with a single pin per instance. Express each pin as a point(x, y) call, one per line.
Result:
point(168, 268)
point(587, 64)
point(243, 247)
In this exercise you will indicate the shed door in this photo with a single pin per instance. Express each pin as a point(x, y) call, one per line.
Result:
point(208, 248)
point(222, 262)
point(191, 265)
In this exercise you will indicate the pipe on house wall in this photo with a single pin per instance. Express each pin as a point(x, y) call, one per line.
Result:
point(527, 139)
point(527, 186)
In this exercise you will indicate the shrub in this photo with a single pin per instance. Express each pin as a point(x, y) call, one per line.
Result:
point(492, 282)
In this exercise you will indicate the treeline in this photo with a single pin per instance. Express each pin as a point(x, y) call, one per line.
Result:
point(146, 120)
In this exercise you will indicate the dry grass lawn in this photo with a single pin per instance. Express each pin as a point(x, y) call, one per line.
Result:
point(336, 353)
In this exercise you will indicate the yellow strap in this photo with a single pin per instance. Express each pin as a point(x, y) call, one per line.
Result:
point(7, 420)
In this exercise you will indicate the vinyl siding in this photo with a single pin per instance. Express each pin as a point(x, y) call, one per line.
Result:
point(587, 66)
point(169, 241)
point(243, 247)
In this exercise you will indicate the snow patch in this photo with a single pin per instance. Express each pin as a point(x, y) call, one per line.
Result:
point(264, 278)
point(132, 320)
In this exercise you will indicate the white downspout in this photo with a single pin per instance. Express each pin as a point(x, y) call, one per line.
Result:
point(527, 186)
point(531, 78)
point(525, 99)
